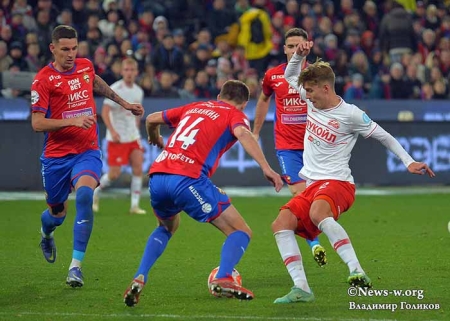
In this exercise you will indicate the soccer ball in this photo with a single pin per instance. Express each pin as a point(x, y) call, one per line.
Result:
point(236, 276)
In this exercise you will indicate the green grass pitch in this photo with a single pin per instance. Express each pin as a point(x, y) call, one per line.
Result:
point(402, 242)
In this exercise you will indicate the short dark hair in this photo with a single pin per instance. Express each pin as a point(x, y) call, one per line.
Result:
point(235, 90)
point(296, 32)
point(63, 31)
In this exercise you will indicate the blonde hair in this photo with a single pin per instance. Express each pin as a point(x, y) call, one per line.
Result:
point(129, 61)
point(318, 72)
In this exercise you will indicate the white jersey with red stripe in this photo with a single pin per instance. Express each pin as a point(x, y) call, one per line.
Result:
point(330, 137)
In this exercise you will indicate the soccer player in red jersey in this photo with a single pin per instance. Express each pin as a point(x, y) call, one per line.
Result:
point(289, 125)
point(180, 181)
point(63, 107)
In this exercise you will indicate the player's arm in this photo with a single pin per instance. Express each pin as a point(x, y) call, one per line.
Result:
point(294, 66)
point(251, 146)
point(42, 124)
point(102, 88)
point(106, 109)
point(262, 107)
point(395, 147)
point(153, 124)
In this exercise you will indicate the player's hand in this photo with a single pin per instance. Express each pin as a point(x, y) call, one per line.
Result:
point(420, 169)
point(274, 178)
point(115, 136)
point(304, 48)
point(84, 122)
point(156, 141)
point(136, 109)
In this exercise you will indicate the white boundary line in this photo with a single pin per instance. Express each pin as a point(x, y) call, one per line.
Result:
point(242, 192)
point(177, 316)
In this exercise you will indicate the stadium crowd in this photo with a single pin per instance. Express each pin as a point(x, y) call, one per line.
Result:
point(387, 49)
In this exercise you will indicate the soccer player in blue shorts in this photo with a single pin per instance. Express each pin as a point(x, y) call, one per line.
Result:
point(289, 125)
point(63, 107)
point(180, 181)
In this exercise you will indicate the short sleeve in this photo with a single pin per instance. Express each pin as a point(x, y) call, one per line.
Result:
point(238, 118)
point(173, 116)
point(108, 101)
point(361, 123)
point(266, 88)
point(40, 96)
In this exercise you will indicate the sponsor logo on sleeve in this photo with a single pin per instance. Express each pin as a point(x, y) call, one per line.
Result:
point(34, 97)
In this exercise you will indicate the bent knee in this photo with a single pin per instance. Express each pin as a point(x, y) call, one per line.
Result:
point(58, 210)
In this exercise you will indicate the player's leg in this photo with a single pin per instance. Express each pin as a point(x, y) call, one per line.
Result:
point(291, 162)
point(136, 161)
point(56, 181)
point(330, 197)
point(117, 157)
point(85, 178)
point(283, 228)
point(168, 217)
point(238, 233)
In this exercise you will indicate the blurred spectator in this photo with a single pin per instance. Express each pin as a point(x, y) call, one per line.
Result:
point(16, 53)
point(5, 59)
point(112, 74)
point(166, 88)
point(397, 33)
point(50, 7)
point(147, 84)
point(370, 17)
point(188, 90)
point(33, 59)
point(412, 81)
point(211, 70)
point(220, 20)
point(167, 57)
point(202, 87)
point(427, 44)
point(256, 38)
point(342, 76)
point(9, 92)
point(355, 90)
point(6, 34)
point(360, 64)
point(399, 88)
point(109, 23)
point(44, 30)
point(427, 91)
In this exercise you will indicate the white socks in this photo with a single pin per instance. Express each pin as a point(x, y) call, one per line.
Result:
point(136, 187)
point(290, 253)
point(75, 263)
point(105, 181)
point(341, 243)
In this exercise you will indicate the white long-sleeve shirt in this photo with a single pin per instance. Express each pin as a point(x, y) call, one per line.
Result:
point(331, 134)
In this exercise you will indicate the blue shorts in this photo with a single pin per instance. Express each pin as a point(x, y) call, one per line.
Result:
point(60, 175)
point(199, 198)
point(291, 162)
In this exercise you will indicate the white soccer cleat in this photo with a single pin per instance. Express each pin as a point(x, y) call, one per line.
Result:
point(137, 210)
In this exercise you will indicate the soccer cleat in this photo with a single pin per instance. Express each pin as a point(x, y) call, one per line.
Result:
point(296, 295)
point(48, 248)
point(229, 288)
point(95, 203)
point(75, 277)
point(359, 279)
point(137, 210)
point(320, 256)
point(131, 295)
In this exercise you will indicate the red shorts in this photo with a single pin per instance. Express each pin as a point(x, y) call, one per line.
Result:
point(119, 153)
point(340, 195)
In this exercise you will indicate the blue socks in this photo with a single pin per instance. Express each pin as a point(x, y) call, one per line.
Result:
point(156, 245)
point(84, 221)
point(50, 222)
point(232, 250)
point(312, 243)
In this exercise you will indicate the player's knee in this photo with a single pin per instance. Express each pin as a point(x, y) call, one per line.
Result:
point(84, 196)
point(58, 210)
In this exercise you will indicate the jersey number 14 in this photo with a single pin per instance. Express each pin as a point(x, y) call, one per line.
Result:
point(188, 134)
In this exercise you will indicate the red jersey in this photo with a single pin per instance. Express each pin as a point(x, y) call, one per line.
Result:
point(203, 132)
point(290, 111)
point(63, 95)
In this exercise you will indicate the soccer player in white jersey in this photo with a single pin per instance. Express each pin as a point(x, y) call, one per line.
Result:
point(332, 129)
point(123, 136)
